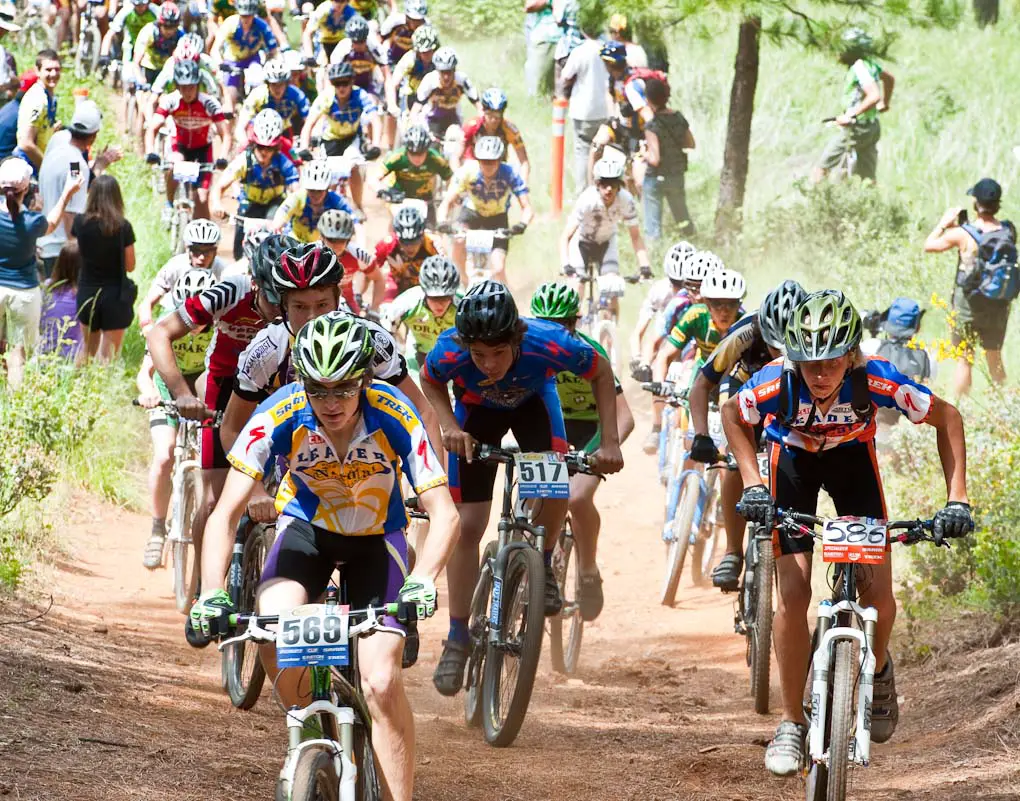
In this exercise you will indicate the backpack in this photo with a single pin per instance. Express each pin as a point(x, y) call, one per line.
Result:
point(995, 275)
point(914, 363)
point(644, 73)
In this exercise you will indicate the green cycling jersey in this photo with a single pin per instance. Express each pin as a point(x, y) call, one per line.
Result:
point(696, 324)
point(577, 400)
point(417, 182)
point(411, 310)
point(864, 70)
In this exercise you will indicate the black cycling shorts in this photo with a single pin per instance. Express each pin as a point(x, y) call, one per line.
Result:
point(582, 434)
point(472, 220)
point(849, 474)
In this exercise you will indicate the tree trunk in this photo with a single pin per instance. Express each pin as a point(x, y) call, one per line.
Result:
point(733, 179)
point(986, 12)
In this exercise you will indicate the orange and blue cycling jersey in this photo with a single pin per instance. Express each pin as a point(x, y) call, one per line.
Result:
point(546, 350)
point(242, 47)
point(357, 493)
point(488, 198)
point(343, 122)
point(812, 431)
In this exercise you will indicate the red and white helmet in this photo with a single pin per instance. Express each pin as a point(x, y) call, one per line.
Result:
point(267, 128)
point(306, 266)
point(169, 14)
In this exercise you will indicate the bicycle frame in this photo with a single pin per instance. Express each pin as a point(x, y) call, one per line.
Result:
point(186, 460)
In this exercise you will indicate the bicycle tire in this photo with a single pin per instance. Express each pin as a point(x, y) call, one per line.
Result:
point(760, 631)
point(183, 551)
point(368, 787)
point(676, 551)
point(478, 626)
point(843, 720)
point(94, 52)
point(564, 660)
point(607, 339)
point(522, 599)
point(245, 672)
point(315, 778)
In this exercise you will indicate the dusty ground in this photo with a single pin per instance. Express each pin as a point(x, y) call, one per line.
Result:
point(102, 698)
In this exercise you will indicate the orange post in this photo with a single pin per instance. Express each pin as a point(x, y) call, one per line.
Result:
point(558, 131)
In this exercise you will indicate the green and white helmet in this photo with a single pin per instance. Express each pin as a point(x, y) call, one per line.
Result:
point(334, 347)
point(856, 39)
point(824, 326)
point(555, 301)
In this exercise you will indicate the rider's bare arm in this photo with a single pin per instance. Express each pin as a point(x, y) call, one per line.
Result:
point(667, 353)
point(624, 417)
point(527, 211)
point(160, 340)
point(698, 400)
point(952, 443)
point(639, 246)
point(444, 531)
point(740, 438)
point(218, 538)
point(568, 232)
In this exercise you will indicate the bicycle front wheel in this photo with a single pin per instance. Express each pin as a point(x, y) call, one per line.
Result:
point(760, 630)
point(183, 550)
point(314, 778)
point(566, 654)
point(478, 627)
point(245, 673)
point(843, 719)
point(510, 664)
point(683, 523)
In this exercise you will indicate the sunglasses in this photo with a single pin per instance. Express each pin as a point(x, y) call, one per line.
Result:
point(344, 391)
point(201, 250)
point(343, 82)
point(722, 305)
point(267, 148)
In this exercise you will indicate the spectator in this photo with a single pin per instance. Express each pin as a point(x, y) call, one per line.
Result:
point(585, 81)
point(20, 297)
point(541, 33)
point(979, 319)
point(9, 125)
point(37, 115)
point(8, 67)
point(106, 294)
point(619, 31)
point(667, 136)
point(60, 328)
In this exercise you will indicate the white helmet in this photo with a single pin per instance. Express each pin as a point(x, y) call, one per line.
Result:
point(445, 59)
point(267, 128)
point(416, 9)
point(608, 169)
point(317, 175)
point(724, 285)
point(293, 61)
point(699, 265)
point(489, 147)
point(336, 224)
point(191, 283)
point(276, 70)
point(201, 232)
point(673, 261)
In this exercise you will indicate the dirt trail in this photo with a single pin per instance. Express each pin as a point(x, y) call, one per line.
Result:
point(102, 698)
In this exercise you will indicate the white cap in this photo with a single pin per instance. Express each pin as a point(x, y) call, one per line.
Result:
point(7, 12)
point(87, 118)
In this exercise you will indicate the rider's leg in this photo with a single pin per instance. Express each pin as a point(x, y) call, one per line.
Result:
point(462, 569)
point(163, 436)
point(171, 187)
point(585, 521)
point(995, 366)
point(727, 573)
point(498, 261)
point(355, 183)
point(202, 203)
point(276, 596)
point(392, 719)
point(791, 633)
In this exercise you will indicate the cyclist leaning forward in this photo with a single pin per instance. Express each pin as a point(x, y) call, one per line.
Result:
point(346, 439)
point(818, 409)
point(413, 171)
point(405, 251)
point(559, 303)
point(503, 369)
point(427, 309)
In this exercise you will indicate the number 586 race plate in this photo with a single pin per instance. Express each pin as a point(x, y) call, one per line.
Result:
point(861, 540)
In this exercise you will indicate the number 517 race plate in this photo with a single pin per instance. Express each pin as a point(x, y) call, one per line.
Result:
point(542, 475)
point(313, 634)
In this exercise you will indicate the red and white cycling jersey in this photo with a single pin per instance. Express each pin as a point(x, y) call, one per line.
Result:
point(354, 260)
point(193, 121)
point(229, 306)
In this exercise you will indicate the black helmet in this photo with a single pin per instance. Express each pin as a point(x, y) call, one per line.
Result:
point(336, 72)
point(777, 308)
point(266, 258)
point(487, 313)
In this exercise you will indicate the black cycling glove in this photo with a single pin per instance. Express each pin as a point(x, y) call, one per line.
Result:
point(954, 520)
point(703, 449)
point(757, 505)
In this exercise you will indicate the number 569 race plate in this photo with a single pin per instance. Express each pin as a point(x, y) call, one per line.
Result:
point(860, 540)
point(313, 634)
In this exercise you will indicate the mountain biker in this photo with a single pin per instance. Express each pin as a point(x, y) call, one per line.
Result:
point(189, 48)
point(127, 24)
point(493, 122)
point(414, 170)
point(438, 98)
point(195, 116)
point(413, 66)
point(818, 415)
point(404, 251)
point(428, 308)
point(190, 354)
point(339, 504)
point(278, 94)
point(591, 229)
point(867, 91)
point(485, 187)
point(239, 43)
point(300, 77)
point(978, 319)
point(559, 303)
point(263, 174)
point(627, 90)
point(350, 116)
point(300, 211)
point(659, 295)
point(754, 341)
point(367, 57)
point(157, 41)
point(201, 238)
point(325, 28)
point(336, 228)
point(398, 28)
point(503, 369)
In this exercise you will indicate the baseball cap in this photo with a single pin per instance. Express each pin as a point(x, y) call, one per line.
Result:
point(7, 23)
point(87, 118)
point(987, 189)
point(903, 319)
point(618, 22)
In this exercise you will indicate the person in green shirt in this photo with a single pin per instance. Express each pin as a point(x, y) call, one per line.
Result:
point(190, 352)
point(426, 310)
point(414, 170)
point(867, 91)
point(560, 303)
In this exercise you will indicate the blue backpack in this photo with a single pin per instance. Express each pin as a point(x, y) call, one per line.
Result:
point(996, 275)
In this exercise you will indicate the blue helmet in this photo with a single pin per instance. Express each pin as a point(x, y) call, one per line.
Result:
point(614, 53)
point(494, 99)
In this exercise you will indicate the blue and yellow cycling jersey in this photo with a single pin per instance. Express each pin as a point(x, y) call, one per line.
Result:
point(343, 122)
point(241, 46)
point(411, 69)
point(328, 28)
point(156, 49)
point(258, 184)
point(303, 220)
point(546, 350)
point(38, 111)
point(293, 106)
point(813, 431)
point(488, 198)
point(357, 494)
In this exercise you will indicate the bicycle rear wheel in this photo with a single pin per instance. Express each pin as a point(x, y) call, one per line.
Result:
point(565, 655)
point(478, 626)
point(676, 552)
point(760, 630)
point(245, 673)
point(314, 778)
point(510, 665)
point(183, 552)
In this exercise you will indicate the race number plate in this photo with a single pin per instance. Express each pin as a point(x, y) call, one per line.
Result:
point(479, 241)
point(715, 430)
point(764, 467)
point(256, 224)
point(187, 171)
point(339, 167)
point(542, 475)
point(857, 540)
point(313, 634)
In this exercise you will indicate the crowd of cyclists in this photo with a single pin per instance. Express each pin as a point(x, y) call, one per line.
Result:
point(366, 371)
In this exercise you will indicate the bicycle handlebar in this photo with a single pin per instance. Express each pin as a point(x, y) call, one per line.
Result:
point(171, 408)
point(255, 623)
point(801, 524)
point(576, 461)
point(665, 389)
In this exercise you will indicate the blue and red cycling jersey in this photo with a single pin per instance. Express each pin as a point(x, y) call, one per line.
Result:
point(811, 431)
point(674, 310)
point(546, 350)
